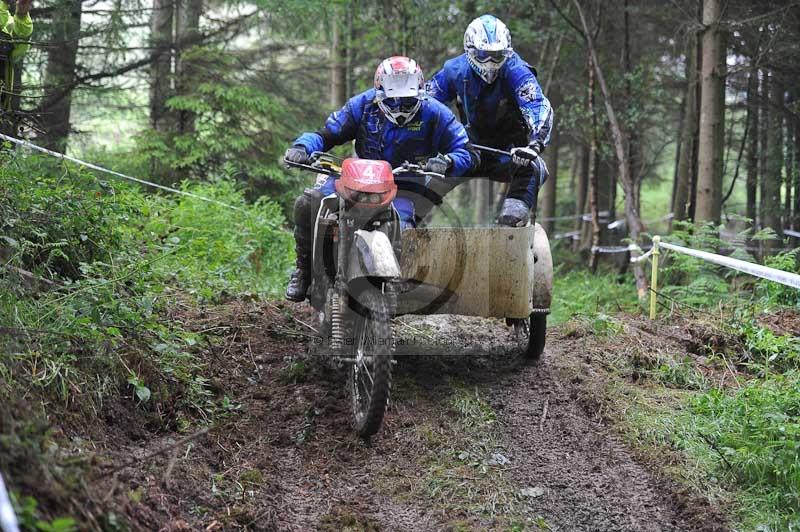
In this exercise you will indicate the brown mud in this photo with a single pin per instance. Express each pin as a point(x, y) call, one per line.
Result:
point(475, 438)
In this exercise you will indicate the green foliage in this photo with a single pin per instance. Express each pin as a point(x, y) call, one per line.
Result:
point(775, 293)
point(693, 281)
point(107, 263)
point(231, 251)
point(27, 512)
point(578, 292)
point(605, 325)
point(222, 128)
point(765, 350)
point(753, 440)
point(472, 409)
point(682, 374)
point(52, 225)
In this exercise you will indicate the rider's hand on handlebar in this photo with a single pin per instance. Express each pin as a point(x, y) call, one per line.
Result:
point(525, 156)
point(297, 154)
point(438, 164)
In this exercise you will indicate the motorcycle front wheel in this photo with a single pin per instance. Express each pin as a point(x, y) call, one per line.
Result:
point(370, 376)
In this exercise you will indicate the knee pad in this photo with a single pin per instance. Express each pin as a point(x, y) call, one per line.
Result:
point(306, 206)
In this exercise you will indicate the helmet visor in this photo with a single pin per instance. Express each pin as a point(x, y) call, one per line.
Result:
point(404, 105)
point(490, 56)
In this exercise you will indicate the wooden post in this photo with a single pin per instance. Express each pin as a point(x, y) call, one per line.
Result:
point(654, 277)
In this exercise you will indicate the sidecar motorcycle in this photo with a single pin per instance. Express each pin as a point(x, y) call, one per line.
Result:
point(368, 269)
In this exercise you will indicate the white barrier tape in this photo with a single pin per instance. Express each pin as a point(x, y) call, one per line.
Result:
point(112, 172)
point(572, 235)
point(640, 258)
point(8, 519)
point(757, 270)
point(789, 232)
point(587, 216)
point(615, 249)
point(616, 223)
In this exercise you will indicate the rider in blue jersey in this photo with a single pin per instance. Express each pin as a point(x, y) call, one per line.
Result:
point(502, 105)
point(394, 122)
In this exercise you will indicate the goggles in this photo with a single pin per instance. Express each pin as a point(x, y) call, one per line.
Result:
point(401, 105)
point(490, 56)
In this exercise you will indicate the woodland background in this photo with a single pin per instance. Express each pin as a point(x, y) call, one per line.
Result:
point(679, 118)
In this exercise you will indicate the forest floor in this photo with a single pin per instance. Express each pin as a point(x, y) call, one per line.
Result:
point(475, 438)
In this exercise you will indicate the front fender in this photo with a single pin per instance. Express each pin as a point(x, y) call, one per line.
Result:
point(372, 255)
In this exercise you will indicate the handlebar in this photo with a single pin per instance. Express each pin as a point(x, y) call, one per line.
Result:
point(491, 150)
point(325, 163)
point(413, 168)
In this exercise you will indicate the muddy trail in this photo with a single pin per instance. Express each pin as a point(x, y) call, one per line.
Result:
point(474, 439)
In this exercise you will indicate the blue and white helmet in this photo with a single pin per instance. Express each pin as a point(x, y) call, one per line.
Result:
point(487, 43)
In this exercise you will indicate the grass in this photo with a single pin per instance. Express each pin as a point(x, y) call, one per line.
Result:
point(738, 444)
point(740, 448)
point(579, 292)
point(114, 263)
point(94, 279)
point(734, 440)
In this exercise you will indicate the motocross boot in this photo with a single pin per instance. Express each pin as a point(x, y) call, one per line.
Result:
point(301, 277)
point(515, 213)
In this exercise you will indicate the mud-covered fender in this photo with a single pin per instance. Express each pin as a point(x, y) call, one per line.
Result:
point(372, 255)
point(542, 272)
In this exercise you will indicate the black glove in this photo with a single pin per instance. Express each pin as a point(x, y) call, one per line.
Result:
point(438, 164)
point(297, 154)
point(526, 156)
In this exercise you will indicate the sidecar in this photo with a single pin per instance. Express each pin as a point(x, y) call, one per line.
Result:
point(493, 272)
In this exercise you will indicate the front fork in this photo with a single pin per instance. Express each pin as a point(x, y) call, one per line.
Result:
point(339, 297)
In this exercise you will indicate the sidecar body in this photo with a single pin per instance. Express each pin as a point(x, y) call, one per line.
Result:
point(501, 272)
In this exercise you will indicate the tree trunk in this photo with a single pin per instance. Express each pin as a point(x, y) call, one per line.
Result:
point(60, 73)
point(796, 173)
point(338, 60)
point(161, 21)
point(763, 141)
point(594, 192)
point(548, 195)
point(752, 147)
point(632, 217)
point(187, 30)
point(788, 182)
point(582, 156)
point(771, 198)
point(710, 136)
point(634, 148)
point(13, 125)
point(686, 160)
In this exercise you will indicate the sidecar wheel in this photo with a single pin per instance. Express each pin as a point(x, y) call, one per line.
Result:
point(536, 337)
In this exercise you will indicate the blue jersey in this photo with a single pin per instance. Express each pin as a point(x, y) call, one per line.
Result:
point(433, 130)
point(512, 111)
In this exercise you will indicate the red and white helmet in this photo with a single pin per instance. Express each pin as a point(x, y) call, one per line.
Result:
point(399, 88)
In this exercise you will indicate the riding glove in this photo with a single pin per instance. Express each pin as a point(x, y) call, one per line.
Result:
point(296, 154)
point(526, 156)
point(438, 164)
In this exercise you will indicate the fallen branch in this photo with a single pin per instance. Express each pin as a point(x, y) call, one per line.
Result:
point(544, 415)
point(29, 275)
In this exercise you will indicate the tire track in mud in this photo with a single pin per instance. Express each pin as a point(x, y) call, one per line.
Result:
point(461, 446)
